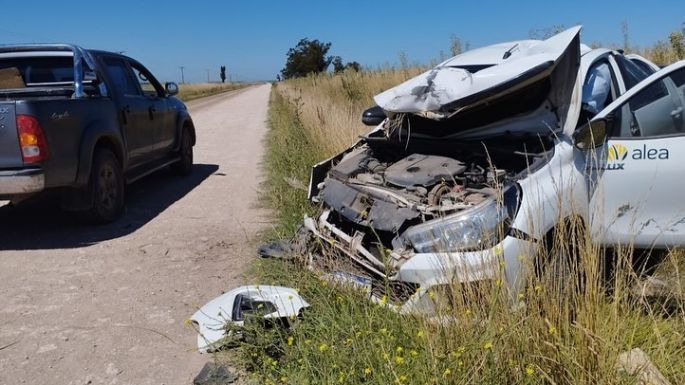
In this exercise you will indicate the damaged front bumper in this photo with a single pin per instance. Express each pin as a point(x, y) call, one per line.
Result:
point(502, 262)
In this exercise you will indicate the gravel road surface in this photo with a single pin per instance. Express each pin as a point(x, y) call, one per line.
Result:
point(106, 305)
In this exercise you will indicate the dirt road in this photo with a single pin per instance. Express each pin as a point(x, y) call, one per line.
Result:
point(106, 305)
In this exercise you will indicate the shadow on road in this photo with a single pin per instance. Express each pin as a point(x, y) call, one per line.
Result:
point(40, 224)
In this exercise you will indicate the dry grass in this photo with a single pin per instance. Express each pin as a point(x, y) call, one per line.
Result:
point(330, 106)
point(190, 91)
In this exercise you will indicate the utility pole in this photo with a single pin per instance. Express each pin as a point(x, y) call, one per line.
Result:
point(207, 69)
point(183, 79)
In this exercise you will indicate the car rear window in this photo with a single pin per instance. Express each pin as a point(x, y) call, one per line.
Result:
point(36, 70)
point(630, 72)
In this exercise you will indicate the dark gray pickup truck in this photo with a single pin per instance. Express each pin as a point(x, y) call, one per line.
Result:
point(84, 123)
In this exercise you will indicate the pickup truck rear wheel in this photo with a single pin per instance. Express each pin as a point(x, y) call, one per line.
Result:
point(185, 164)
point(106, 187)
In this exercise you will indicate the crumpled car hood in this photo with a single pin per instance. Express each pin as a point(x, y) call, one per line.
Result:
point(447, 89)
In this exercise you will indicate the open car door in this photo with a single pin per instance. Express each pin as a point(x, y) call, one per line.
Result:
point(637, 176)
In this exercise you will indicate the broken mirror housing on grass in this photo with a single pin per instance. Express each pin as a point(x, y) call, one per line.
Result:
point(232, 309)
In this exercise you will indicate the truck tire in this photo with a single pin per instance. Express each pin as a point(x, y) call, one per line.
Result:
point(185, 164)
point(106, 188)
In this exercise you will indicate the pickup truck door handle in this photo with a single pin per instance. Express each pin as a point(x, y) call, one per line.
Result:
point(124, 114)
point(152, 111)
point(676, 113)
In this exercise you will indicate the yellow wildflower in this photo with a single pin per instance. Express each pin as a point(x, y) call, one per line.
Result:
point(530, 370)
point(413, 353)
point(399, 349)
point(367, 371)
point(399, 360)
point(552, 330)
point(447, 372)
point(420, 334)
point(290, 341)
point(384, 300)
point(487, 345)
point(323, 348)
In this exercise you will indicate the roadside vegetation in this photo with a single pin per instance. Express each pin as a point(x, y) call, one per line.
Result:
point(554, 331)
point(190, 91)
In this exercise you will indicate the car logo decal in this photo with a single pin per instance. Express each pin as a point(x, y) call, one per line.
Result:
point(617, 152)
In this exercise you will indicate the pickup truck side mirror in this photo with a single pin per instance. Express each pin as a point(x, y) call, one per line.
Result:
point(591, 135)
point(373, 116)
point(171, 88)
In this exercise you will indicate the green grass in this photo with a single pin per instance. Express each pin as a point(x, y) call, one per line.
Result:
point(290, 155)
point(550, 337)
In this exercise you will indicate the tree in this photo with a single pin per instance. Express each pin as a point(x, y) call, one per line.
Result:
point(455, 45)
point(354, 66)
point(677, 40)
point(309, 56)
point(222, 74)
point(545, 33)
point(338, 65)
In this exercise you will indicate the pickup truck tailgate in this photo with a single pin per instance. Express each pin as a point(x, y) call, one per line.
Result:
point(10, 153)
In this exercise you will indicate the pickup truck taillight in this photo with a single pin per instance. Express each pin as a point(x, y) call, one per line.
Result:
point(34, 148)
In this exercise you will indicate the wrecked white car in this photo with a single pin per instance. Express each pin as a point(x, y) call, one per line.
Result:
point(270, 303)
point(475, 164)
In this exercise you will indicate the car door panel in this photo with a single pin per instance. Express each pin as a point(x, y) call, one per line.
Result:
point(133, 109)
point(637, 198)
point(637, 176)
point(160, 112)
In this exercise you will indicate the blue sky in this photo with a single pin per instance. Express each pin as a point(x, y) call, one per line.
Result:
point(251, 38)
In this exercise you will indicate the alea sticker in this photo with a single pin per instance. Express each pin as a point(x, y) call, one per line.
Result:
point(618, 153)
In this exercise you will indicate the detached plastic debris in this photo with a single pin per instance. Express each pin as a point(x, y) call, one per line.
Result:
point(287, 249)
point(270, 303)
point(214, 374)
point(278, 250)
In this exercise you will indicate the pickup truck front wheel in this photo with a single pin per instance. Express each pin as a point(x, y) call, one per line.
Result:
point(106, 186)
point(184, 166)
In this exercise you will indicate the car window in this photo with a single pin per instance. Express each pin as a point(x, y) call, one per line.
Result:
point(656, 110)
point(646, 68)
point(145, 80)
point(630, 72)
point(121, 76)
point(597, 88)
point(41, 70)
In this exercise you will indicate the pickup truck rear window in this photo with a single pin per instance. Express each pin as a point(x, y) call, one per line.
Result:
point(42, 71)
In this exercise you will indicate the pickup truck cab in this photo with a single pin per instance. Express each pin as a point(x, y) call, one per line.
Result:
point(84, 123)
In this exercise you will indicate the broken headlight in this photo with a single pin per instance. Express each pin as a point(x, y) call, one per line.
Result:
point(479, 228)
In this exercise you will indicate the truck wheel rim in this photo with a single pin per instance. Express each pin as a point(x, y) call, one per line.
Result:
point(108, 187)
